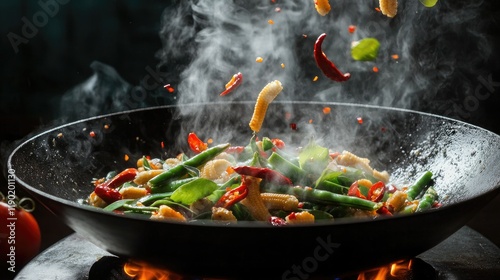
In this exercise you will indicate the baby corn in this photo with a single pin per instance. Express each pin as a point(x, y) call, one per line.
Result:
point(389, 7)
point(266, 96)
point(253, 201)
point(279, 201)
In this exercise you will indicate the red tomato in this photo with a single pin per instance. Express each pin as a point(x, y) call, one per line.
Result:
point(20, 238)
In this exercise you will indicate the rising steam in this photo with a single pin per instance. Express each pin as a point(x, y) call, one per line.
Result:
point(224, 37)
point(441, 51)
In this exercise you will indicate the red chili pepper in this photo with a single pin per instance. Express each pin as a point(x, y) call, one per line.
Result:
point(334, 155)
point(280, 144)
point(354, 190)
point(377, 191)
point(391, 188)
point(196, 144)
point(235, 149)
point(277, 221)
point(232, 196)
point(384, 211)
point(266, 174)
point(233, 83)
point(327, 66)
point(107, 190)
point(107, 194)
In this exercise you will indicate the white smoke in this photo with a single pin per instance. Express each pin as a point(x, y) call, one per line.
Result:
point(216, 39)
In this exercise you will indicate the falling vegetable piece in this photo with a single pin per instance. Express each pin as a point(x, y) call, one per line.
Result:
point(266, 96)
point(389, 7)
point(233, 83)
point(195, 143)
point(322, 6)
point(428, 3)
point(325, 65)
point(365, 49)
point(169, 88)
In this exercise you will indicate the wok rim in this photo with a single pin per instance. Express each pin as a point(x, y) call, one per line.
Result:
point(243, 224)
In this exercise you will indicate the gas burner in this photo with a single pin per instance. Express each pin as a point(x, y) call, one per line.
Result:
point(464, 255)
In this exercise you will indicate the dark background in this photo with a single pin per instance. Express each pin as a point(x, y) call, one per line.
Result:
point(124, 34)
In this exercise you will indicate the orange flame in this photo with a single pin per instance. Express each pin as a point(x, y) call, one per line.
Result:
point(400, 268)
point(143, 271)
point(138, 270)
point(394, 270)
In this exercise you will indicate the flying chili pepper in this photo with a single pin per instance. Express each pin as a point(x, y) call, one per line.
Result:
point(233, 83)
point(326, 66)
point(196, 144)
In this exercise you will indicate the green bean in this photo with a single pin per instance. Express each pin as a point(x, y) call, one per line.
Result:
point(138, 208)
point(290, 170)
point(267, 144)
point(427, 200)
point(326, 197)
point(419, 185)
point(117, 204)
point(148, 199)
point(332, 187)
point(179, 170)
point(255, 160)
point(171, 186)
point(408, 209)
point(162, 202)
point(169, 203)
point(137, 213)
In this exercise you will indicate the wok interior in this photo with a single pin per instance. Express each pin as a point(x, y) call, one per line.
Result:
point(63, 161)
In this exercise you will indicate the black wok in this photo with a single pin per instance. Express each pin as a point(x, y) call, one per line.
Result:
point(57, 166)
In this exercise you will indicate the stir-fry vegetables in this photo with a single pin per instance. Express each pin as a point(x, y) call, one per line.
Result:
point(263, 182)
